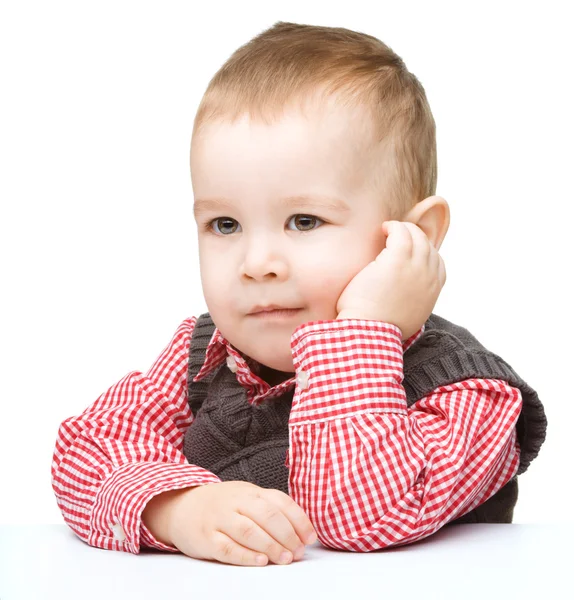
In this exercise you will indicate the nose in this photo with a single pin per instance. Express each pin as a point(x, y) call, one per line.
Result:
point(263, 260)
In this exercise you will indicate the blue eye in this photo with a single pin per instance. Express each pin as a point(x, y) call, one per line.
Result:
point(308, 222)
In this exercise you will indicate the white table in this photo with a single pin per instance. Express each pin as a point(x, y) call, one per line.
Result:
point(483, 561)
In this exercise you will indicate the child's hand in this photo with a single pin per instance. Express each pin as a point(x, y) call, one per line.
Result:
point(401, 286)
point(236, 521)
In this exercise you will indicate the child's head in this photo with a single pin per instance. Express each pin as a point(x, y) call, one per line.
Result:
point(325, 113)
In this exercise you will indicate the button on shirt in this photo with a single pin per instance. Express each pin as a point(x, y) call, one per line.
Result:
point(303, 379)
point(369, 471)
point(119, 533)
point(232, 364)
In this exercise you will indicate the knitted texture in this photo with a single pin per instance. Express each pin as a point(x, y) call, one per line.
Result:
point(239, 441)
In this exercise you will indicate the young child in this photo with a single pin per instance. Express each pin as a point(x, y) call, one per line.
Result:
point(320, 396)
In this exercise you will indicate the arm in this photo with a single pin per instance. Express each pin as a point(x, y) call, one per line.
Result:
point(125, 449)
point(372, 473)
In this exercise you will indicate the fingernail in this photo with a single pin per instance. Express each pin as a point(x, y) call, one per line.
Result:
point(311, 539)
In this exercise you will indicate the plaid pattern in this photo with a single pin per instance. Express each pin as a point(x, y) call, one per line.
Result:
point(368, 471)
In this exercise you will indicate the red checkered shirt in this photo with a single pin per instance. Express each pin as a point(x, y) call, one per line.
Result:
point(368, 471)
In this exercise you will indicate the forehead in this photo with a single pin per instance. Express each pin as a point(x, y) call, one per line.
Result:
point(328, 115)
point(328, 149)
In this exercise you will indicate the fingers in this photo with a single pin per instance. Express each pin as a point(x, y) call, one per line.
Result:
point(409, 239)
point(415, 244)
point(246, 532)
point(227, 550)
point(275, 532)
point(441, 270)
point(428, 253)
point(296, 515)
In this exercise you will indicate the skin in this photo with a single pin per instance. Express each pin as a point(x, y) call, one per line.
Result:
point(332, 264)
point(244, 522)
point(256, 251)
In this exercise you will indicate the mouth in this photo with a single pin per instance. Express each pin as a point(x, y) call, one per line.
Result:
point(276, 313)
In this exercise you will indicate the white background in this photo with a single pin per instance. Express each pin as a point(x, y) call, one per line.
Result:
point(98, 249)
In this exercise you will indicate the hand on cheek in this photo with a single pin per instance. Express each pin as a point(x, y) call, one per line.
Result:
point(401, 286)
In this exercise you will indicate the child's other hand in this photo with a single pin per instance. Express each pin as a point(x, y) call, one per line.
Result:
point(236, 521)
point(401, 286)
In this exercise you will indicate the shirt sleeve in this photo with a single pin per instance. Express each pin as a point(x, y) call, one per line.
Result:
point(125, 449)
point(371, 472)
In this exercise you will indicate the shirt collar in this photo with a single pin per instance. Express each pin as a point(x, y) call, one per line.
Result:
point(219, 349)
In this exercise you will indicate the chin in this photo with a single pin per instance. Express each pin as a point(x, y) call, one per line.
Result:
point(285, 367)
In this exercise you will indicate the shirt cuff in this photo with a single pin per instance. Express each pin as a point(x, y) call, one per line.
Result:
point(346, 367)
point(116, 517)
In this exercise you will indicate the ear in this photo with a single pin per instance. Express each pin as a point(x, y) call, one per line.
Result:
point(432, 215)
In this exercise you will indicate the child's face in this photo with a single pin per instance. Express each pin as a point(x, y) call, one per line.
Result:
point(260, 251)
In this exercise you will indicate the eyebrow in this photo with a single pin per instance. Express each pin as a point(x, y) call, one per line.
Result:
point(300, 200)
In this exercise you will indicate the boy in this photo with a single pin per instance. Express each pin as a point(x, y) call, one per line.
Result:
point(320, 396)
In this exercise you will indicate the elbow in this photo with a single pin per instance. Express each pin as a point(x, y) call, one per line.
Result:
point(377, 526)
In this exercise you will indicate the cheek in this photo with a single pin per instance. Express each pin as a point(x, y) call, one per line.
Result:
point(325, 280)
point(214, 280)
point(330, 273)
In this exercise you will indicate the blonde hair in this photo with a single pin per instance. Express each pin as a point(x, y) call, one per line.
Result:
point(289, 62)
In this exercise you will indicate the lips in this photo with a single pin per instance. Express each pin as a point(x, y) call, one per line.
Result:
point(270, 313)
point(271, 308)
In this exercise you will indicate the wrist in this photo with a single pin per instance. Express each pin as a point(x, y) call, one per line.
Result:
point(158, 512)
point(353, 314)
point(350, 314)
point(345, 314)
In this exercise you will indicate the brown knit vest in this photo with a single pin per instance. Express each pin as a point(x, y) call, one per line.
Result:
point(239, 441)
